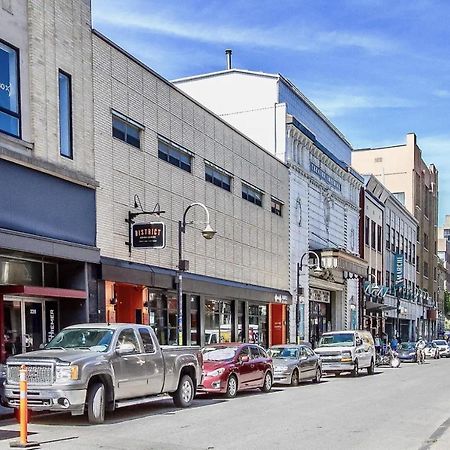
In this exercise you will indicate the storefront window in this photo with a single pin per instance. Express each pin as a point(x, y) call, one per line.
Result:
point(319, 320)
point(240, 320)
point(257, 325)
point(163, 317)
point(217, 321)
point(9, 91)
point(195, 322)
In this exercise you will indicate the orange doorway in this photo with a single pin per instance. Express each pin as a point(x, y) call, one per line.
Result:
point(127, 304)
point(277, 324)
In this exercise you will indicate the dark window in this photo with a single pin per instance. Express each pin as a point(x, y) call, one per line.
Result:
point(425, 241)
point(373, 234)
point(146, 340)
point(435, 274)
point(417, 264)
point(388, 237)
point(174, 156)
point(65, 114)
point(276, 207)
point(425, 269)
point(9, 90)
point(388, 278)
point(379, 237)
point(367, 231)
point(379, 281)
point(418, 233)
point(245, 351)
point(414, 254)
point(252, 195)
point(254, 352)
point(397, 243)
point(123, 129)
point(218, 178)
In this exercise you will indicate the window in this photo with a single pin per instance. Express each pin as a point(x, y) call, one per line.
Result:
point(379, 280)
point(372, 234)
point(217, 177)
point(417, 264)
point(425, 269)
point(126, 130)
point(388, 278)
point(414, 254)
point(400, 196)
point(379, 238)
point(128, 337)
point(367, 231)
point(425, 241)
point(174, 155)
point(254, 352)
point(146, 340)
point(418, 233)
point(9, 90)
point(435, 274)
point(276, 207)
point(65, 115)
point(251, 194)
point(388, 237)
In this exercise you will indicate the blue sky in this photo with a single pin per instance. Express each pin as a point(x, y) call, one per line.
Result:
point(377, 68)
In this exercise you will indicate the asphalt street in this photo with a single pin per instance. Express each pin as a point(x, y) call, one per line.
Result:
point(405, 408)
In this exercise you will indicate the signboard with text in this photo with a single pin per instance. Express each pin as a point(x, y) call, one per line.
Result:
point(399, 269)
point(149, 235)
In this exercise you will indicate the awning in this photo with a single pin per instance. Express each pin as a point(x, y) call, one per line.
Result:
point(39, 291)
point(373, 306)
point(343, 260)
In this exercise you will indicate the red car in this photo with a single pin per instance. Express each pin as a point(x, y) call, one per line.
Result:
point(229, 368)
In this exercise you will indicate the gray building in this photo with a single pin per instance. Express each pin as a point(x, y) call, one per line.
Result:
point(47, 179)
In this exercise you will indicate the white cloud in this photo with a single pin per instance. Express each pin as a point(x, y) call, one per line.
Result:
point(339, 102)
point(283, 36)
point(442, 93)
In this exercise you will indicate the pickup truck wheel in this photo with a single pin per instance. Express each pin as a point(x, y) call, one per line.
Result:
point(96, 403)
point(355, 371)
point(184, 395)
point(267, 386)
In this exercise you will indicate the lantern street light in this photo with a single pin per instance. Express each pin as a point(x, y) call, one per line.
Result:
point(183, 265)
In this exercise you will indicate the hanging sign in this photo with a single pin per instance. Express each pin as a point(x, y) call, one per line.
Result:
point(149, 235)
point(399, 270)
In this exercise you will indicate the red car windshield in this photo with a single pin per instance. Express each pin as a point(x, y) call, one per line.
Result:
point(219, 353)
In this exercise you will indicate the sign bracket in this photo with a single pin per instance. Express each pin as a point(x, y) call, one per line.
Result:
point(132, 215)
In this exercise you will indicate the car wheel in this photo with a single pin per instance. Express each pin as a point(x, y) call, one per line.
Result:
point(267, 386)
point(184, 395)
point(355, 371)
point(318, 376)
point(295, 378)
point(371, 368)
point(232, 387)
point(96, 403)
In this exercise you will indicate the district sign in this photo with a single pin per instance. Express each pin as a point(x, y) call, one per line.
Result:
point(149, 235)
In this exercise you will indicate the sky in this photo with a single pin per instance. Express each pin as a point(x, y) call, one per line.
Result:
point(378, 69)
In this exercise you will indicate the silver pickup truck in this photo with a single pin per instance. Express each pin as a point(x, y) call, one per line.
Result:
point(101, 367)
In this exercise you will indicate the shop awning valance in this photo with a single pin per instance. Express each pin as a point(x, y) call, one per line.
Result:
point(40, 291)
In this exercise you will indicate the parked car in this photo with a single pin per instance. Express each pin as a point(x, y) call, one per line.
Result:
point(233, 367)
point(444, 349)
point(431, 351)
point(406, 351)
point(101, 367)
point(293, 364)
point(347, 351)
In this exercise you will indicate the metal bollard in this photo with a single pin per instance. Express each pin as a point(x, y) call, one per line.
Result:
point(23, 441)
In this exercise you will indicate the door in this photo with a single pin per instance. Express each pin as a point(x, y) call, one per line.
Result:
point(257, 366)
point(306, 365)
point(244, 368)
point(33, 326)
point(130, 370)
point(154, 363)
point(312, 362)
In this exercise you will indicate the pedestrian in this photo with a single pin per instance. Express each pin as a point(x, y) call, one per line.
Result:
point(394, 343)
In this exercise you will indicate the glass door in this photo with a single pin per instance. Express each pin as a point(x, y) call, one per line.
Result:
point(33, 326)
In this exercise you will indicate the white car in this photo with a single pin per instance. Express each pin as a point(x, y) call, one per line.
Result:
point(444, 349)
point(431, 350)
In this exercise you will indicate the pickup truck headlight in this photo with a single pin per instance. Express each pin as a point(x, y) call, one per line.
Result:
point(66, 373)
point(216, 373)
point(346, 356)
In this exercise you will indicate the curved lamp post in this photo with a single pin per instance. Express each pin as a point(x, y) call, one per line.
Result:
point(318, 270)
point(183, 265)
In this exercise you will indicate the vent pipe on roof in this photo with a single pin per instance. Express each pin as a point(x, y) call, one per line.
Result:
point(228, 53)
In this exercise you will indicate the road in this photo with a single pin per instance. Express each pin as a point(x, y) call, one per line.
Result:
point(393, 409)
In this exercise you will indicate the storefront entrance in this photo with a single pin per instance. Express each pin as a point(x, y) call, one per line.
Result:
point(319, 314)
point(28, 323)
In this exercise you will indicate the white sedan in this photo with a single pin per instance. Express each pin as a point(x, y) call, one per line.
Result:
point(431, 350)
point(444, 349)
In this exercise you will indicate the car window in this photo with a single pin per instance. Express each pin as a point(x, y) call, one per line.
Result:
point(254, 353)
point(147, 340)
point(244, 352)
point(262, 353)
point(128, 336)
point(303, 352)
point(309, 352)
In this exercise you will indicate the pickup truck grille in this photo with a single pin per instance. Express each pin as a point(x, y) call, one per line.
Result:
point(36, 374)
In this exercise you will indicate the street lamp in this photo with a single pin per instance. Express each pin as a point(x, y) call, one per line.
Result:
point(317, 270)
point(183, 265)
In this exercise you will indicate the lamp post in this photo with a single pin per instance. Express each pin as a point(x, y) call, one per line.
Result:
point(183, 265)
point(318, 270)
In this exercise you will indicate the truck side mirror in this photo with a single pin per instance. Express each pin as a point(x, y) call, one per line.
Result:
point(125, 349)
